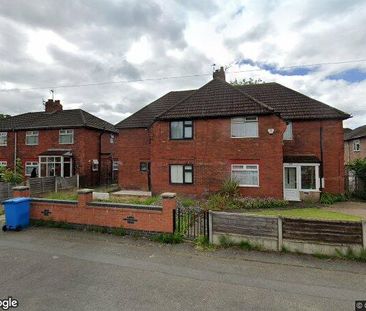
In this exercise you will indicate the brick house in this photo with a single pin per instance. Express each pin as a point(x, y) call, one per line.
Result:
point(58, 142)
point(355, 144)
point(273, 140)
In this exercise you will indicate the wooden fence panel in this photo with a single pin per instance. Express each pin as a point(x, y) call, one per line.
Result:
point(322, 231)
point(5, 191)
point(244, 224)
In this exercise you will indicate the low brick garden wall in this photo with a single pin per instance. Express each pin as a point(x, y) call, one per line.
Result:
point(114, 215)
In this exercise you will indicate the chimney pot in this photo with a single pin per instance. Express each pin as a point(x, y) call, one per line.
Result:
point(219, 74)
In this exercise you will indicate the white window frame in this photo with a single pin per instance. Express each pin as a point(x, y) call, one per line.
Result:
point(33, 164)
point(115, 166)
point(4, 164)
point(288, 135)
point(357, 145)
point(245, 168)
point(186, 124)
point(66, 133)
point(5, 143)
point(95, 165)
point(112, 138)
point(45, 160)
point(31, 134)
point(298, 176)
point(243, 121)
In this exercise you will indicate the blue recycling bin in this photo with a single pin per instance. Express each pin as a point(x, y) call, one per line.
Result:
point(17, 213)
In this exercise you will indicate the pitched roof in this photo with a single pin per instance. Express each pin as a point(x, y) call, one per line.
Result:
point(214, 99)
point(145, 117)
point(290, 104)
point(54, 120)
point(356, 133)
point(218, 98)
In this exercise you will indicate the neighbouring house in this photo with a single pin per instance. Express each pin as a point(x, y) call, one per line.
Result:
point(274, 141)
point(355, 144)
point(58, 142)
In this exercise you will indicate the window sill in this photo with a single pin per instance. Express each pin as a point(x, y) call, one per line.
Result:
point(249, 186)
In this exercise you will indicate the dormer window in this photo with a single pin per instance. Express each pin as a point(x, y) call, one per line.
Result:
point(181, 129)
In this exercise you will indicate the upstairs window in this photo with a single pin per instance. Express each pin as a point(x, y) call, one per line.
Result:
point(181, 174)
point(181, 130)
point(357, 145)
point(31, 138)
point(66, 137)
point(247, 175)
point(3, 138)
point(244, 127)
point(287, 135)
point(111, 138)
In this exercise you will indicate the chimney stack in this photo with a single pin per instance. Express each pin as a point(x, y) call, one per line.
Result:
point(53, 105)
point(219, 74)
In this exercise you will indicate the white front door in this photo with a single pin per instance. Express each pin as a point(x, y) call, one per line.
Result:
point(291, 184)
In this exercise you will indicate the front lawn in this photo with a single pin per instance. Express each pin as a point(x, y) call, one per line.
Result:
point(307, 213)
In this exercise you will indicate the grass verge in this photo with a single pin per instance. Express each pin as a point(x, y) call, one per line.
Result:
point(308, 213)
point(168, 238)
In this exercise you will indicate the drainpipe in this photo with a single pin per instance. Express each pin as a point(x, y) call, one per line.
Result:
point(100, 155)
point(15, 151)
point(321, 171)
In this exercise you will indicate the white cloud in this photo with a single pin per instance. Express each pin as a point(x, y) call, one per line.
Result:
point(91, 42)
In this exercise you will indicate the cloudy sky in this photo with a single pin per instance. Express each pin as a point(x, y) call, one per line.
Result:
point(171, 45)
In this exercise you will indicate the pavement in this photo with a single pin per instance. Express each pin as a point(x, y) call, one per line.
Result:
point(349, 207)
point(56, 269)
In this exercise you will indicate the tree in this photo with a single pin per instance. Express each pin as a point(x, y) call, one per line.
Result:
point(3, 116)
point(13, 177)
point(359, 167)
point(245, 81)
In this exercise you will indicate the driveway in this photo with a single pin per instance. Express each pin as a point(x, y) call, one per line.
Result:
point(349, 207)
point(55, 269)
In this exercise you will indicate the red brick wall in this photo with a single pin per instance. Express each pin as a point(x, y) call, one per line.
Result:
point(212, 151)
point(133, 148)
point(84, 149)
point(306, 141)
point(350, 155)
point(85, 214)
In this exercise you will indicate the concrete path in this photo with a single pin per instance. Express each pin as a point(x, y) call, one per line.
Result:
point(54, 269)
point(350, 207)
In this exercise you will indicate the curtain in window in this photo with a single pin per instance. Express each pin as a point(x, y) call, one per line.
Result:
point(176, 174)
point(249, 178)
point(176, 130)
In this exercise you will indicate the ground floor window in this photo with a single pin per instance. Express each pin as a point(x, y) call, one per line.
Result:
point(247, 175)
point(115, 165)
point(3, 164)
point(181, 174)
point(29, 167)
point(55, 166)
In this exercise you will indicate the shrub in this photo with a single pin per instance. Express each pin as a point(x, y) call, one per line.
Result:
point(230, 188)
point(188, 202)
point(262, 203)
point(219, 201)
point(13, 176)
point(168, 238)
point(359, 195)
point(329, 198)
